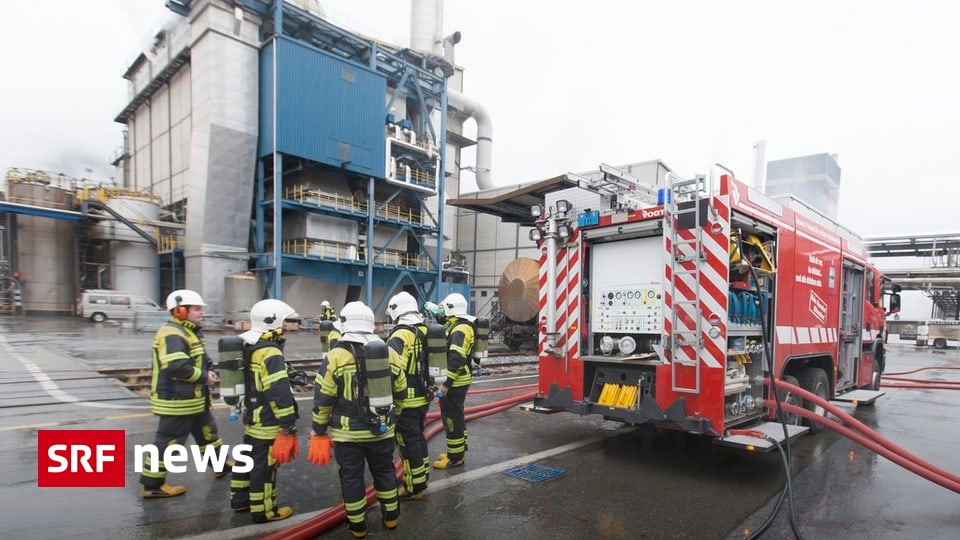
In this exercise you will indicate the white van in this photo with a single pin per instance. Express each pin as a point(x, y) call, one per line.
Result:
point(101, 304)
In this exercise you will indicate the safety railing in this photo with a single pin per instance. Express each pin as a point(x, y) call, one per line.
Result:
point(325, 249)
point(343, 252)
point(394, 212)
point(305, 194)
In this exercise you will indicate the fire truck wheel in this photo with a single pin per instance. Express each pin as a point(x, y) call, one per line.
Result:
point(815, 381)
point(790, 398)
point(875, 377)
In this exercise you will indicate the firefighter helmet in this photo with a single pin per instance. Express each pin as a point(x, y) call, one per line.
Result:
point(325, 304)
point(267, 316)
point(184, 297)
point(357, 320)
point(402, 303)
point(454, 304)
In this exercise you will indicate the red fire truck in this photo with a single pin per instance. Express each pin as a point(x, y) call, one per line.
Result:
point(667, 312)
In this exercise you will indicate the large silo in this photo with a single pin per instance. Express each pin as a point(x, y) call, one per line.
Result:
point(45, 248)
point(134, 260)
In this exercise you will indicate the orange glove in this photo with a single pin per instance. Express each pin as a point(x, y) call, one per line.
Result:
point(285, 447)
point(319, 453)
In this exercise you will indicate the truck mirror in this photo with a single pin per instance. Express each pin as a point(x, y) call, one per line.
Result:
point(894, 303)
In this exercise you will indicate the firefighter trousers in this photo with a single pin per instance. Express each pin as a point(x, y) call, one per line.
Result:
point(454, 423)
point(378, 456)
point(256, 489)
point(175, 430)
point(413, 448)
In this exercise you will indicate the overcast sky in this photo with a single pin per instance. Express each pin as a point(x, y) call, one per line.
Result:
point(572, 84)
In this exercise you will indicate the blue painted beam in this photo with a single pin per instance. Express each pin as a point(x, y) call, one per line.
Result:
point(40, 211)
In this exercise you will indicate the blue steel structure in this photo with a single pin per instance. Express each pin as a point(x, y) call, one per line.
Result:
point(323, 92)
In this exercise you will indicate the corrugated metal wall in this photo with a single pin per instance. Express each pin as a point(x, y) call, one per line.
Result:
point(328, 110)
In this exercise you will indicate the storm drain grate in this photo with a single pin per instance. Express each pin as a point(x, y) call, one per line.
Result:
point(534, 472)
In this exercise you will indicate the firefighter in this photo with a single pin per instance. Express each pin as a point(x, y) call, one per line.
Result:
point(270, 413)
point(460, 340)
point(180, 389)
point(354, 399)
point(327, 313)
point(408, 340)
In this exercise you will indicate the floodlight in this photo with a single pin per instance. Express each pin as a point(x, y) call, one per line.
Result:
point(536, 210)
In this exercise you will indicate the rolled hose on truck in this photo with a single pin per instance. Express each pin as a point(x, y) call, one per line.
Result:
point(336, 515)
point(865, 436)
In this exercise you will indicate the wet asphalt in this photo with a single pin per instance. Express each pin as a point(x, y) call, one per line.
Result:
point(613, 481)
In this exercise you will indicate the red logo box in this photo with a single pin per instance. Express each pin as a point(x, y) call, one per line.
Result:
point(81, 458)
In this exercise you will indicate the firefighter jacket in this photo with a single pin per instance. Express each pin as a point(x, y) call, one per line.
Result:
point(409, 342)
point(460, 340)
point(328, 314)
point(340, 403)
point(269, 400)
point(180, 364)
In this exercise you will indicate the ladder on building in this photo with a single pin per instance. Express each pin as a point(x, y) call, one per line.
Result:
point(684, 222)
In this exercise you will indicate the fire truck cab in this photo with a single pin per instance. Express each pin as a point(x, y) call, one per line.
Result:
point(666, 312)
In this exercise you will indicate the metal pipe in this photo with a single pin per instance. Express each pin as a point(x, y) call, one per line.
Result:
point(426, 25)
point(475, 110)
point(551, 241)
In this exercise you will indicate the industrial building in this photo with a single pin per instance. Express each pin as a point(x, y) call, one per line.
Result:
point(815, 179)
point(269, 152)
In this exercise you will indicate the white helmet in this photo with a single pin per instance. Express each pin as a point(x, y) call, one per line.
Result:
point(358, 322)
point(403, 308)
point(183, 297)
point(454, 304)
point(325, 304)
point(266, 316)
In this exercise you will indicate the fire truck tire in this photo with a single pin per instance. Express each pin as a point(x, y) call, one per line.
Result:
point(875, 377)
point(814, 380)
point(788, 397)
point(939, 343)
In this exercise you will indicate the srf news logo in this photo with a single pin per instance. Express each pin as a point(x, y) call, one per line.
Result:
point(97, 458)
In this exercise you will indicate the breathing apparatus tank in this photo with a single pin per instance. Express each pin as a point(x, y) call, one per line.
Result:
point(325, 327)
point(436, 355)
point(481, 339)
point(231, 364)
point(376, 358)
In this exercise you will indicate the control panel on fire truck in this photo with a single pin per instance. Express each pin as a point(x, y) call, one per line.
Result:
point(631, 308)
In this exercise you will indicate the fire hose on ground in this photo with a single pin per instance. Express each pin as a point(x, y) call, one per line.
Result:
point(865, 436)
point(895, 380)
point(336, 515)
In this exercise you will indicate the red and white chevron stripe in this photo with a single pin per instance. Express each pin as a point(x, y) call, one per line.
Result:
point(568, 294)
point(712, 301)
point(572, 307)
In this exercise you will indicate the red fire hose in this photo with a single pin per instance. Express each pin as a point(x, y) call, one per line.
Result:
point(864, 435)
point(867, 442)
point(919, 369)
point(334, 516)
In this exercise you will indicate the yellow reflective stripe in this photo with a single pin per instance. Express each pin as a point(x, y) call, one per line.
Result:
point(272, 378)
point(413, 402)
point(171, 357)
point(266, 433)
point(176, 407)
point(197, 373)
point(365, 435)
point(283, 412)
